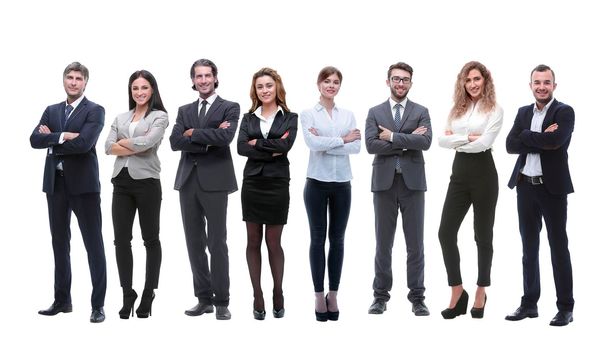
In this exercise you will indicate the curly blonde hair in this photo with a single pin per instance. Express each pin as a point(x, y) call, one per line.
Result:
point(462, 101)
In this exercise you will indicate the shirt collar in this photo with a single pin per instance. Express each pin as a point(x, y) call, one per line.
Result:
point(209, 99)
point(536, 110)
point(258, 113)
point(75, 103)
point(318, 107)
point(394, 103)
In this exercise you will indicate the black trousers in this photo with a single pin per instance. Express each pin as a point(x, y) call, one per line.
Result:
point(204, 221)
point(473, 182)
point(535, 202)
point(320, 196)
point(143, 196)
point(87, 207)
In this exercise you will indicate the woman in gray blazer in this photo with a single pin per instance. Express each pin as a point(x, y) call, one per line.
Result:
point(134, 138)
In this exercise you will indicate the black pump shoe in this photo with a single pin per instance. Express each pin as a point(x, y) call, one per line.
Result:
point(459, 309)
point(145, 307)
point(478, 312)
point(128, 305)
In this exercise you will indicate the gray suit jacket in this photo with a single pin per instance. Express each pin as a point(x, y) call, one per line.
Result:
point(207, 151)
point(145, 141)
point(406, 146)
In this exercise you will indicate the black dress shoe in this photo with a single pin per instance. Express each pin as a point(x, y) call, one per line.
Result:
point(97, 316)
point(55, 309)
point(378, 307)
point(522, 312)
point(459, 308)
point(200, 309)
point(562, 318)
point(419, 308)
point(222, 313)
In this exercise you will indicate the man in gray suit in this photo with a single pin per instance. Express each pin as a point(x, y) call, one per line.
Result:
point(203, 132)
point(396, 132)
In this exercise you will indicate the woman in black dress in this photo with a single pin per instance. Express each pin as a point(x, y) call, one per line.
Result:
point(266, 135)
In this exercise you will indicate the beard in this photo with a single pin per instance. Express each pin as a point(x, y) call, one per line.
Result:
point(544, 101)
point(397, 96)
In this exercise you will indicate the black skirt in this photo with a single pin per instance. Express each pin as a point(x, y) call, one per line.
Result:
point(265, 200)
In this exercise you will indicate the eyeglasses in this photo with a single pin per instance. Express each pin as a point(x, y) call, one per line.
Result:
point(395, 79)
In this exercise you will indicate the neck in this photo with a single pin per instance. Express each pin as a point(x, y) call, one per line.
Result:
point(328, 103)
point(141, 109)
point(398, 100)
point(206, 96)
point(72, 99)
point(269, 107)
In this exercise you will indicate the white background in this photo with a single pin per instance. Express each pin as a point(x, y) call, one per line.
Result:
point(40, 38)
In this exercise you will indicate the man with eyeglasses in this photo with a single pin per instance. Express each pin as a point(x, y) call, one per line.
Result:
point(396, 132)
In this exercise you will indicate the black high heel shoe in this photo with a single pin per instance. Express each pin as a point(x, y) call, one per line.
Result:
point(479, 312)
point(459, 309)
point(278, 313)
point(145, 307)
point(261, 313)
point(331, 315)
point(128, 305)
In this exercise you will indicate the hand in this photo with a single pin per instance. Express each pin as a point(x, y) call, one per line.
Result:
point(473, 137)
point(420, 131)
point(188, 133)
point(43, 129)
point(252, 142)
point(285, 135)
point(353, 135)
point(448, 132)
point(70, 135)
point(552, 128)
point(313, 131)
point(224, 125)
point(384, 134)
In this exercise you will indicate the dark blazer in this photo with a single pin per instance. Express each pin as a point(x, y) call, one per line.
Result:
point(207, 151)
point(551, 146)
point(261, 162)
point(80, 166)
point(412, 159)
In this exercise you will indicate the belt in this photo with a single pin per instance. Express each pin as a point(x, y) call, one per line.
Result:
point(534, 180)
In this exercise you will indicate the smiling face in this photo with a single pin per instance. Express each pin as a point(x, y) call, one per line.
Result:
point(329, 87)
point(399, 83)
point(475, 84)
point(542, 85)
point(265, 88)
point(142, 91)
point(204, 81)
point(74, 85)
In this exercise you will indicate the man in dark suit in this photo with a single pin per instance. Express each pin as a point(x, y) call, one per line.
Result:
point(396, 132)
point(540, 135)
point(203, 132)
point(69, 131)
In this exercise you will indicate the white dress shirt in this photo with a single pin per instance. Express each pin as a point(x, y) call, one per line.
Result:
point(329, 155)
point(475, 122)
point(533, 165)
point(210, 101)
point(265, 123)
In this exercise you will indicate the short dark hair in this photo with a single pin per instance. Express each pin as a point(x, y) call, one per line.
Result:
point(78, 67)
point(543, 68)
point(205, 63)
point(155, 102)
point(327, 72)
point(400, 65)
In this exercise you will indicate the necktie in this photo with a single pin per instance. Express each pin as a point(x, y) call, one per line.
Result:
point(203, 111)
point(397, 122)
point(68, 110)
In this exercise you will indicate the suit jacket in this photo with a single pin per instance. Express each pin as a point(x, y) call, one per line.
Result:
point(207, 151)
point(146, 139)
point(406, 146)
point(260, 160)
point(551, 146)
point(80, 166)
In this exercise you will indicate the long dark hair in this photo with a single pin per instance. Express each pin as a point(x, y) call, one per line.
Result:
point(155, 102)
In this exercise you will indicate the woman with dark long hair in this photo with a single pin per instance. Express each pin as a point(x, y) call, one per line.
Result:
point(266, 135)
point(472, 126)
point(134, 138)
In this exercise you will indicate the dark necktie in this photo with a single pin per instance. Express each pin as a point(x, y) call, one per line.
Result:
point(397, 122)
point(203, 111)
point(68, 110)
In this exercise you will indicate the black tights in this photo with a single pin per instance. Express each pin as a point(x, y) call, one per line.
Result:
point(276, 257)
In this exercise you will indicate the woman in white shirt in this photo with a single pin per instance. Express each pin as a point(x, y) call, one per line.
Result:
point(331, 134)
point(134, 138)
point(472, 126)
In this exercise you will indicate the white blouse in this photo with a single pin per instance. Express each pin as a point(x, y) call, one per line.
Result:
point(474, 122)
point(329, 155)
point(265, 123)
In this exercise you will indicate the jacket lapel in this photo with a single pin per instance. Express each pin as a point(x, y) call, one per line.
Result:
point(549, 119)
point(406, 114)
point(76, 112)
point(211, 110)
